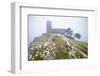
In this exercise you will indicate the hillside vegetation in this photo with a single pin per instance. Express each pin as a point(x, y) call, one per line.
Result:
point(56, 46)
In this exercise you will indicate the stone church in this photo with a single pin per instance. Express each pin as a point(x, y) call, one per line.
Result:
point(54, 30)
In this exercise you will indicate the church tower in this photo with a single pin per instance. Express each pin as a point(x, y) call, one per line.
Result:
point(49, 26)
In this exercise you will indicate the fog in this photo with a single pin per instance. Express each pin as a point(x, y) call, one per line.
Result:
point(37, 25)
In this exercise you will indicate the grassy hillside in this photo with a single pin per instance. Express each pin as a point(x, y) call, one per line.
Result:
point(56, 46)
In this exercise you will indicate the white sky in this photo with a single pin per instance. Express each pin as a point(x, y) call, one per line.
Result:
point(37, 25)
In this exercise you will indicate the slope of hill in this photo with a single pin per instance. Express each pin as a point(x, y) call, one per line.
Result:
point(56, 46)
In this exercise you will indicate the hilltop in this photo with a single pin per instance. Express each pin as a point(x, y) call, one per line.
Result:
point(56, 46)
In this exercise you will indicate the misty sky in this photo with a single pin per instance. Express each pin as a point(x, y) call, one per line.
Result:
point(37, 25)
